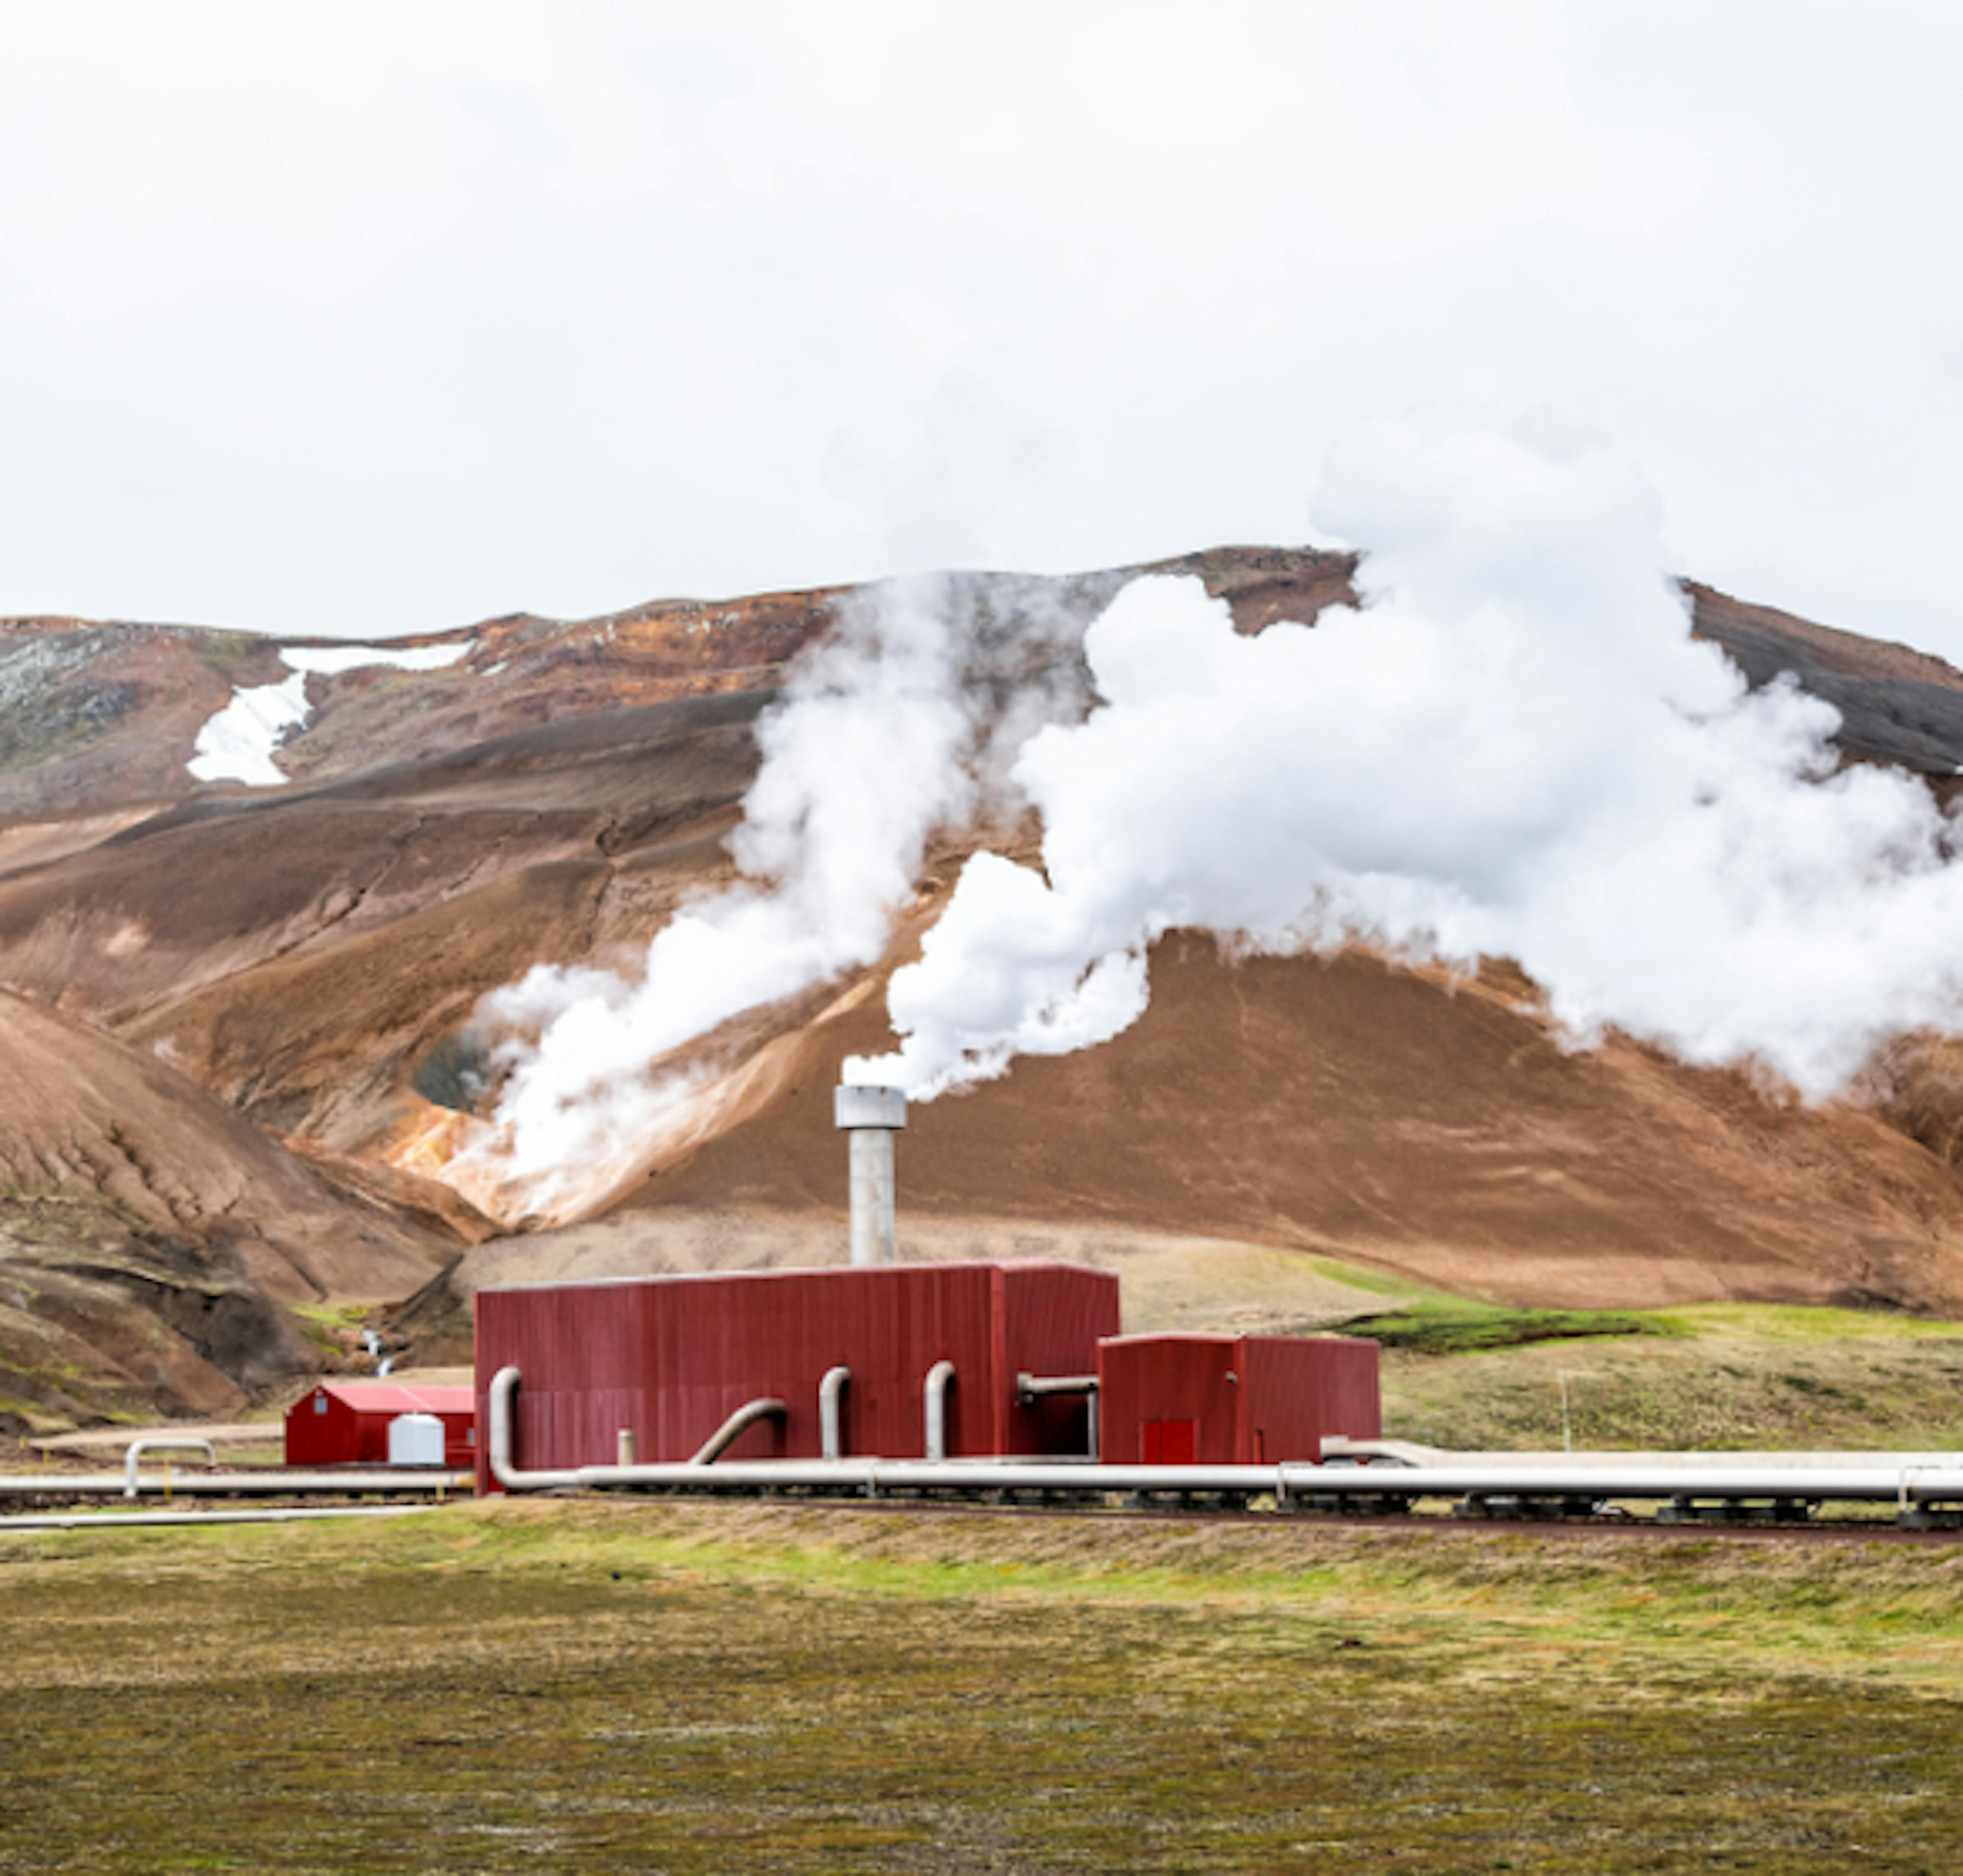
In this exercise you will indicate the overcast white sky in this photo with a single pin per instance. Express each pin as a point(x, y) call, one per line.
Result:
point(363, 318)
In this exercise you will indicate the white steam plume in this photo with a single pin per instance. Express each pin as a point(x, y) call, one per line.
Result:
point(891, 726)
point(1515, 749)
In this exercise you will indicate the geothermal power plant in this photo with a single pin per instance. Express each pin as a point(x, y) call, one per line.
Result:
point(1003, 1381)
point(880, 1361)
point(1014, 1379)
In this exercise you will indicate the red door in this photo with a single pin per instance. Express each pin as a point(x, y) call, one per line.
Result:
point(1168, 1442)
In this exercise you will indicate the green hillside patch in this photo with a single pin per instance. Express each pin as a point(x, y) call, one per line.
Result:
point(1717, 1376)
point(1460, 1328)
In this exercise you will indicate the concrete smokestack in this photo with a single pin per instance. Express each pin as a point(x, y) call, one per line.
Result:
point(871, 1116)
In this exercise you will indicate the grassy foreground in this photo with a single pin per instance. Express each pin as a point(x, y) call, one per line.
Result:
point(655, 1686)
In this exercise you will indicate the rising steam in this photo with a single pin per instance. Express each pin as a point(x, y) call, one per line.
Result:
point(1515, 748)
point(903, 720)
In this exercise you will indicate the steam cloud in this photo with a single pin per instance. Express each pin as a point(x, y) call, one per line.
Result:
point(904, 719)
point(1512, 748)
point(1515, 748)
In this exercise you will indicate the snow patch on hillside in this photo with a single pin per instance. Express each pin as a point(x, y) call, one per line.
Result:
point(330, 660)
point(236, 744)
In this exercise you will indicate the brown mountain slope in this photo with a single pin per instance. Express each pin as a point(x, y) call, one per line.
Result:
point(208, 891)
point(312, 954)
point(149, 1236)
point(1386, 1116)
point(159, 927)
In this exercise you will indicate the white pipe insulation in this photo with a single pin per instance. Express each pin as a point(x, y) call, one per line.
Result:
point(733, 1428)
point(395, 1481)
point(1287, 1482)
point(259, 1514)
point(940, 1378)
point(139, 1447)
point(831, 1416)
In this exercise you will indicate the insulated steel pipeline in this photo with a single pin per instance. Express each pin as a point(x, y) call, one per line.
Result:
point(394, 1481)
point(176, 1520)
point(1287, 1483)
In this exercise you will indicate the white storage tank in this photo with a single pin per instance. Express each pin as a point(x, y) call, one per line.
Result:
point(415, 1439)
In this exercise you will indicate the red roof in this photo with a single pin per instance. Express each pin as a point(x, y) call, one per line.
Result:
point(392, 1397)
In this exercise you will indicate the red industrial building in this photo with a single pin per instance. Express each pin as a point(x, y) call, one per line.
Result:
point(1235, 1400)
point(346, 1423)
point(670, 1359)
point(1019, 1348)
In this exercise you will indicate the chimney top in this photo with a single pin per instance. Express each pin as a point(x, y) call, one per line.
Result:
point(852, 1107)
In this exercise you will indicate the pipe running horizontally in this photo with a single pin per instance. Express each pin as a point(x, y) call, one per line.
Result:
point(259, 1515)
point(1289, 1481)
point(397, 1482)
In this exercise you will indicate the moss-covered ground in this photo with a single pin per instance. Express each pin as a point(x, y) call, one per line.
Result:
point(661, 1686)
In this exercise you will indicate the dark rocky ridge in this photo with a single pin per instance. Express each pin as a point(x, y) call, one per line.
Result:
point(1897, 705)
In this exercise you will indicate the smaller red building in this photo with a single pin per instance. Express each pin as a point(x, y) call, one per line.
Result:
point(1245, 1400)
point(346, 1423)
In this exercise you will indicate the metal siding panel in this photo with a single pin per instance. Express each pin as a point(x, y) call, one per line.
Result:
point(1301, 1388)
point(460, 1436)
point(371, 1431)
point(1242, 1444)
point(696, 1348)
point(1053, 1317)
point(1148, 1378)
point(1002, 1369)
point(321, 1439)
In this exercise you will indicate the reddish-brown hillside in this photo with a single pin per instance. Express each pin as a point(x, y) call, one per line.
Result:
point(310, 954)
point(150, 1235)
point(1389, 1116)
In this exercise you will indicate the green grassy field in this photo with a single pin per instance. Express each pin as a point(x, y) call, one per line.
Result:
point(660, 1686)
point(1716, 1375)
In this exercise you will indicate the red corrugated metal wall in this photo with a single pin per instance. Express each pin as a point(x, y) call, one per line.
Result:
point(1232, 1399)
point(322, 1430)
point(1151, 1389)
point(1295, 1390)
point(672, 1357)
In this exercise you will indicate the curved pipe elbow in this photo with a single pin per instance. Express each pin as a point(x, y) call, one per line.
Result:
point(831, 1423)
point(940, 1378)
point(504, 1386)
point(132, 1478)
point(732, 1429)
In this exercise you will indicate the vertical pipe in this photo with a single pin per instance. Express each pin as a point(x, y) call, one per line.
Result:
point(939, 1377)
point(139, 1447)
point(830, 1431)
point(874, 1227)
point(871, 1116)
